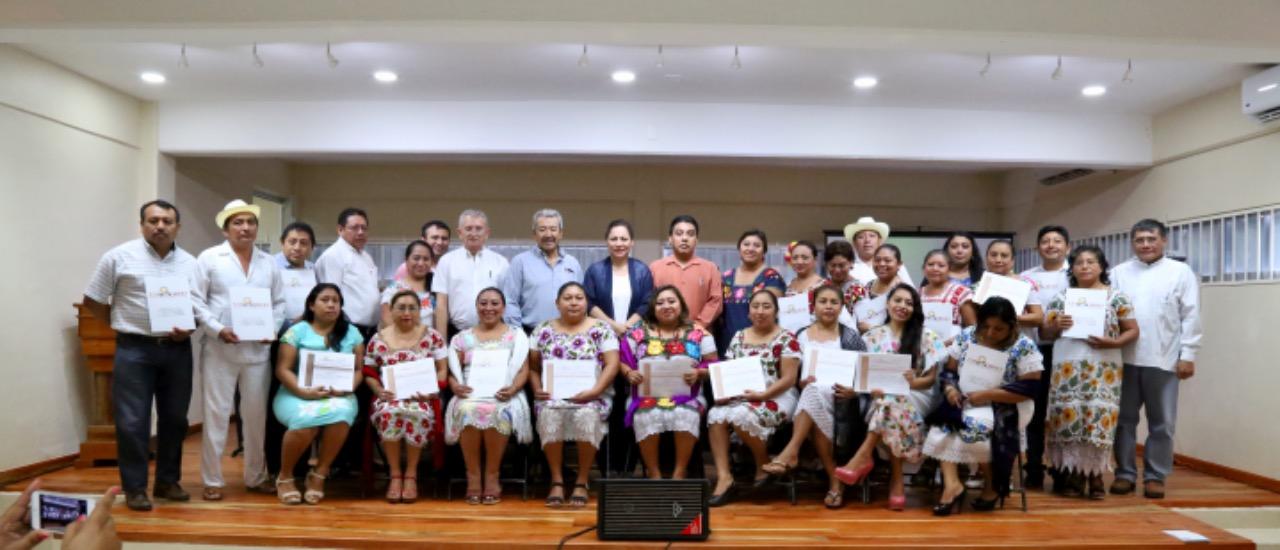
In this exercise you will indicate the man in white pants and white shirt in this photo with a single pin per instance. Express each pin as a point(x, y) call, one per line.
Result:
point(226, 361)
point(1166, 302)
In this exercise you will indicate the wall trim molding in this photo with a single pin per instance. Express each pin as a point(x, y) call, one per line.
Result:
point(42, 467)
point(1225, 472)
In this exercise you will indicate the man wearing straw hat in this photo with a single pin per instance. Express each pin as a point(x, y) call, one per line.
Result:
point(227, 361)
point(866, 235)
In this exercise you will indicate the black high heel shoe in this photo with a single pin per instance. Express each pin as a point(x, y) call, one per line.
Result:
point(987, 505)
point(945, 509)
point(723, 498)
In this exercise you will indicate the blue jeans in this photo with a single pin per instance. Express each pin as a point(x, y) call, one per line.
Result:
point(148, 369)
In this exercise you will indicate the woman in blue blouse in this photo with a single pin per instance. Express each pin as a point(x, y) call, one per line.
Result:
point(743, 281)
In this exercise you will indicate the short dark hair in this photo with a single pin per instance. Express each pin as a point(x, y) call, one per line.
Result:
point(999, 308)
point(897, 252)
point(501, 296)
point(1097, 253)
point(1053, 229)
point(631, 232)
point(164, 204)
point(567, 286)
point(813, 249)
point(683, 218)
point(837, 248)
point(301, 227)
point(1148, 224)
point(433, 223)
point(351, 211)
point(751, 233)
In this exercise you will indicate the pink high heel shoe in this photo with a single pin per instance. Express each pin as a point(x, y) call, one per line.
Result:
point(852, 477)
point(898, 503)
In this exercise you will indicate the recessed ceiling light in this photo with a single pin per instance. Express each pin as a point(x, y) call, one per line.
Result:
point(1094, 91)
point(623, 77)
point(385, 76)
point(1268, 87)
point(152, 77)
point(865, 82)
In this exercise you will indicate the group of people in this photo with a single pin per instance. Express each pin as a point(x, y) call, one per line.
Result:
point(1069, 402)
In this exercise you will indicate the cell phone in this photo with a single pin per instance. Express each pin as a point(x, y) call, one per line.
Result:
point(53, 512)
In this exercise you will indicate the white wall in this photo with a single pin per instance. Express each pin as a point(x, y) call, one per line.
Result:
point(69, 158)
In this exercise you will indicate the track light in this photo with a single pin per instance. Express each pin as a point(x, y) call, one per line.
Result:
point(983, 73)
point(1128, 74)
point(1057, 73)
point(583, 60)
point(737, 61)
point(328, 53)
point(257, 59)
point(182, 57)
point(661, 62)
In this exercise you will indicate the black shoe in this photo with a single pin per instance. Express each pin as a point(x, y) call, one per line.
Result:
point(987, 505)
point(1122, 487)
point(761, 482)
point(170, 491)
point(138, 501)
point(1033, 480)
point(723, 498)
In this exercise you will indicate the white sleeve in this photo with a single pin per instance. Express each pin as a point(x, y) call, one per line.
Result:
point(1189, 311)
point(200, 297)
point(102, 284)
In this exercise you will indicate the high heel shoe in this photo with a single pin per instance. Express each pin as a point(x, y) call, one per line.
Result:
point(987, 505)
point(946, 509)
point(723, 498)
point(897, 503)
point(852, 477)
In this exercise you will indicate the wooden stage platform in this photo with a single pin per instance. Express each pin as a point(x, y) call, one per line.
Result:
point(765, 521)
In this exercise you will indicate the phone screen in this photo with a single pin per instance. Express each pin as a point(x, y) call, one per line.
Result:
point(57, 512)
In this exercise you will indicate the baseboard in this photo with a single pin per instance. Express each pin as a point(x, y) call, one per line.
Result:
point(1224, 472)
point(37, 469)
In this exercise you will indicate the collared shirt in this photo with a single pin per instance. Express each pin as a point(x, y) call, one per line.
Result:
point(1047, 286)
point(1166, 303)
point(531, 285)
point(120, 280)
point(863, 273)
point(218, 271)
point(298, 282)
point(461, 276)
point(698, 282)
point(356, 276)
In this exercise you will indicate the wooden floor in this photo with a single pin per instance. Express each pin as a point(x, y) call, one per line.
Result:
point(768, 520)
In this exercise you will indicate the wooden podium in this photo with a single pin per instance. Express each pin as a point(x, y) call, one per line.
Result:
point(98, 343)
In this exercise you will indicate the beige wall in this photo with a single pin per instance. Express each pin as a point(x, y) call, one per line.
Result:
point(1220, 161)
point(204, 185)
point(69, 155)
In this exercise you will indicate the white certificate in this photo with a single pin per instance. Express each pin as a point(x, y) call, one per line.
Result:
point(565, 378)
point(872, 312)
point(665, 377)
point(884, 372)
point(734, 377)
point(830, 366)
point(793, 312)
point(1009, 288)
point(251, 318)
point(847, 319)
point(1088, 311)
point(983, 369)
point(406, 380)
point(326, 369)
point(297, 285)
point(169, 304)
point(488, 372)
point(940, 318)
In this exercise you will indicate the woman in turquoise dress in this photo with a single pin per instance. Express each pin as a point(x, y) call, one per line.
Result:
point(308, 413)
point(743, 281)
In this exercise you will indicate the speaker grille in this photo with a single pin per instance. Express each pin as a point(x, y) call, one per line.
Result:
point(643, 509)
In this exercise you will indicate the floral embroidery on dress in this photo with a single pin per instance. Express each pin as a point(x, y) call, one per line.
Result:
point(771, 354)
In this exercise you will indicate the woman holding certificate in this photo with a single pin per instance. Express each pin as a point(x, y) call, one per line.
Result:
point(396, 362)
point(755, 414)
point(418, 259)
point(315, 400)
point(1000, 262)
point(574, 359)
point(742, 281)
point(991, 375)
point(488, 366)
point(816, 408)
point(897, 420)
point(1091, 323)
point(664, 359)
point(948, 305)
point(964, 263)
point(868, 302)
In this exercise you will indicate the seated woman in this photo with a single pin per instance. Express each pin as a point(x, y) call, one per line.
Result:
point(409, 420)
point(755, 415)
point(666, 333)
point(815, 412)
point(582, 417)
point(483, 423)
point(418, 260)
point(983, 426)
point(897, 421)
point(311, 412)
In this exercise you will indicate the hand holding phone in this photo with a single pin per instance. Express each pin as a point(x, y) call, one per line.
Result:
point(54, 512)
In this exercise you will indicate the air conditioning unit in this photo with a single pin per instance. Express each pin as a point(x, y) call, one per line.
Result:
point(1260, 95)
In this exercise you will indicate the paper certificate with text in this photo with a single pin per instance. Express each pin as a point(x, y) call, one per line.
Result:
point(664, 377)
point(873, 312)
point(831, 366)
point(411, 378)
point(884, 372)
point(297, 285)
point(1015, 290)
point(939, 317)
point(1088, 310)
point(735, 377)
point(169, 304)
point(251, 318)
point(565, 378)
point(488, 372)
point(983, 369)
point(793, 312)
point(326, 369)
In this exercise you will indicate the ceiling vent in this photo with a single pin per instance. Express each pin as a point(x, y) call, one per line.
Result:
point(1064, 177)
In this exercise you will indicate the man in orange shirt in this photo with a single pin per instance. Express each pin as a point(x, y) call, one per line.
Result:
point(697, 279)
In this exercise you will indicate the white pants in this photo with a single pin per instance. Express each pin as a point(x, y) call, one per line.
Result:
point(220, 377)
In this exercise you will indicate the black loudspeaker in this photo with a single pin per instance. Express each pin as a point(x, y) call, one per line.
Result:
point(651, 509)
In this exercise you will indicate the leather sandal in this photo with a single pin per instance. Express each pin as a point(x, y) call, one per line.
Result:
point(314, 496)
point(579, 501)
point(287, 492)
point(834, 500)
point(211, 493)
point(777, 468)
point(410, 494)
point(395, 489)
point(554, 501)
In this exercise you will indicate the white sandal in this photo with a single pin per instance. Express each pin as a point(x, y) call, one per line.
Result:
point(313, 496)
point(288, 492)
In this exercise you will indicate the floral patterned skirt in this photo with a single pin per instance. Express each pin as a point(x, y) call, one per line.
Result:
point(506, 417)
point(969, 445)
point(759, 419)
point(1084, 407)
point(900, 425)
point(406, 420)
point(560, 420)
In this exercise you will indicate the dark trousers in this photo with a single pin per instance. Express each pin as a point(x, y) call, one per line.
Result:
point(146, 370)
point(1035, 430)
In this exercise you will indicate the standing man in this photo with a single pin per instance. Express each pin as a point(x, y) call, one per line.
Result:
point(1050, 278)
point(297, 241)
point(866, 235)
point(535, 276)
point(1166, 301)
point(227, 362)
point(148, 365)
point(697, 279)
point(437, 234)
point(349, 266)
point(463, 273)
